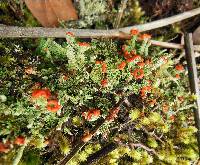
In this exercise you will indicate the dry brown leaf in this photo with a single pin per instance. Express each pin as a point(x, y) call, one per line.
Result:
point(38, 9)
point(64, 9)
point(50, 12)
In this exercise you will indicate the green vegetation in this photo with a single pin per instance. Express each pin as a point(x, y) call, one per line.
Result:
point(53, 92)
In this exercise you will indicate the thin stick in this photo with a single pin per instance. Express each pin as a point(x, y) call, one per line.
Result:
point(120, 14)
point(73, 152)
point(140, 145)
point(163, 22)
point(193, 79)
point(101, 153)
point(19, 155)
point(21, 3)
point(196, 54)
point(37, 32)
point(111, 4)
point(177, 60)
point(167, 44)
point(152, 134)
point(18, 32)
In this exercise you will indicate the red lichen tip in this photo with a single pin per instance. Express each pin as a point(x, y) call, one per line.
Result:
point(179, 67)
point(70, 34)
point(91, 113)
point(104, 82)
point(134, 32)
point(145, 36)
point(37, 93)
point(138, 73)
point(20, 140)
point(122, 65)
point(104, 67)
point(53, 105)
point(133, 58)
point(83, 44)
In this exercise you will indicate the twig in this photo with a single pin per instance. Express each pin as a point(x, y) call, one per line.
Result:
point(167, 44)
point(19, 155)
point(128, 123)
point(21, 3)
point(152, 134)
point(196, 54)
point(111, 4)
point(193, 79)
point(120, 13)
point(73, 152)
point(101, 153)
point(154, 108)
point(37, 32)
point(163, 22)
point(127, 102)
point(144, 147)
point(140, 145)
point(177, 60)
point(184, 108)
point(12, 5)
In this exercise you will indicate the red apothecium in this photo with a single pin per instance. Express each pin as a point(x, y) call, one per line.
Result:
point(134, 31)
point(179, 67)
point(138, 73)
point(91, 113)
point(53, 105)
point(104, 82)
point(122, 65)
point(20, 140)
point(83, 44)
point(133, 58)
point(37, 93)
point(4, 147)
point(145, 36)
